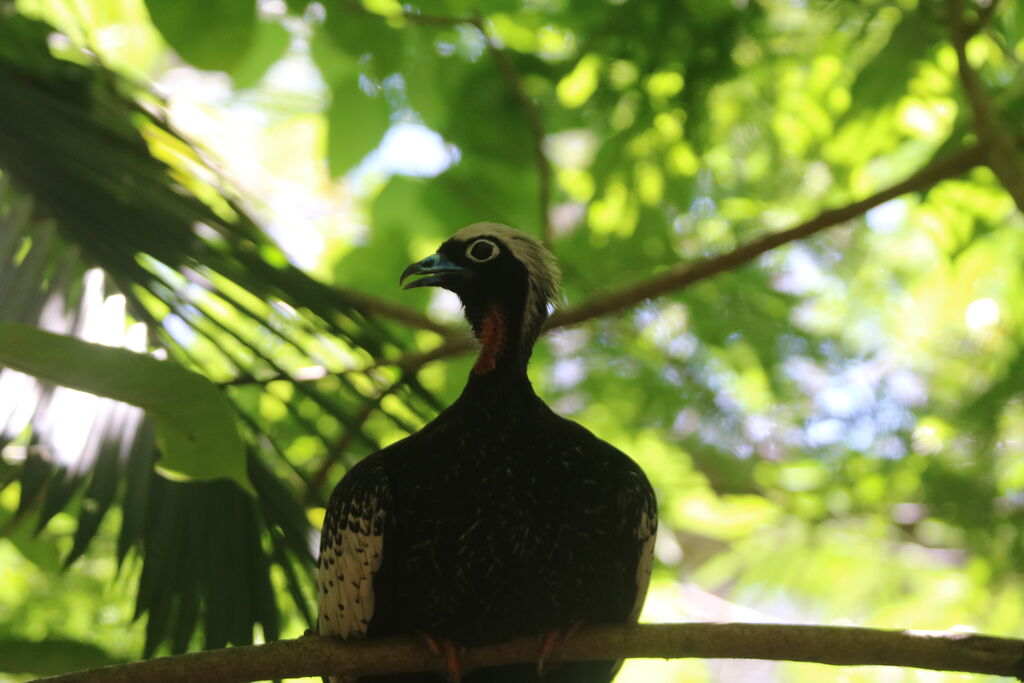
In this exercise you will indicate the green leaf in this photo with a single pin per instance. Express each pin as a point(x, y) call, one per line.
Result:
point(297, 7)
point(359, 34)
point(51, 656)
point(884, 79)
point(102, 489)
point(38, 550)
point(335, 64)
point(24, 40)
point(269, 44)
point(208, 34)
point(356, 123)
point(431, 80)
point(195, 422)
point(36, 473)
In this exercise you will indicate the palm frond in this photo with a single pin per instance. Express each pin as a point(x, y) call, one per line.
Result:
point(106, 210)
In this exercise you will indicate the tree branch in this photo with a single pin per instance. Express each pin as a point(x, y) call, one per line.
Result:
point(685, 274)
point(985, 14)
point(351, 431)
point(1000, 147)
point(412, 362)
point(841, 646)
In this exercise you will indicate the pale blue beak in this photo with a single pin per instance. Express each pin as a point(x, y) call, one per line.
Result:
point(438, 269)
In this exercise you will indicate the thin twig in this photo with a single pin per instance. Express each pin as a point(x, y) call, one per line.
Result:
point(515, 82)
point(840, 646)
point(368, 304)
point(349, 435)
point(313, 373)
point(531, 114)
point(452, 347)
point(533, 120)
point(999, 143)
point(985, 15)
point(456, 342)
point(335, 454)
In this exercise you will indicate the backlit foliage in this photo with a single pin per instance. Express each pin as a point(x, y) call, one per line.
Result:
point(835, 429)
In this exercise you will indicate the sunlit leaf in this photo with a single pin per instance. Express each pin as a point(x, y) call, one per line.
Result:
point(51, 656)
point(195, 422)
point(356, 123)
point(208, 34)
point(269, 43)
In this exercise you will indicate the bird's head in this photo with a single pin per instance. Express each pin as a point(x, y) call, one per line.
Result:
point(505, 279)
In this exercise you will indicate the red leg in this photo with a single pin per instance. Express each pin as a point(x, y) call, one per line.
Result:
point(550, 641)
point(449, 651)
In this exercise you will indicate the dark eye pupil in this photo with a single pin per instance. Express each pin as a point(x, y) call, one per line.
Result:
point(482, 251)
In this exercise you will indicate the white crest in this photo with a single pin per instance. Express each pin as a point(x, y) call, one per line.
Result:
point(541, 268)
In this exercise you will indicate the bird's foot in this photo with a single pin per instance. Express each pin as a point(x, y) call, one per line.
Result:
point(449, 651)
point(550, 641)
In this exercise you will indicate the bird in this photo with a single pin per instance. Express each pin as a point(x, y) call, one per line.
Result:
point(499, 518)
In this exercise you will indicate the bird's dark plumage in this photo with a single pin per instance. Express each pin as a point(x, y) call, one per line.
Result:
point(499, 518)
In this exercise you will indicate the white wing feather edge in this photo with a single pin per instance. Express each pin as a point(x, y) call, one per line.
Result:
point(348, 561)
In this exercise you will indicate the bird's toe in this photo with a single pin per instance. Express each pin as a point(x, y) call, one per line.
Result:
point(449, 651)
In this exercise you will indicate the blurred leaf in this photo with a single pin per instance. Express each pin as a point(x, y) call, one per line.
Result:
point(297, 6)
point(209, 34)
point(213, 527)
point(482, 97)
point(430, 79)
point(334, 62)
point(195, 422)
point(40, 551)
point(362, 33)
point(92, 180)
point(356, 123)
point(982, 413)
point(36, 472)
point(883, 80)
point(269, 44)
point(842, 411)
point(51, 657)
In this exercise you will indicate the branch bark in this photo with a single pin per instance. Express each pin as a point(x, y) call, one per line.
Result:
point(840, 646)
point(685, 274)
point(985, 14)
point(1000, 147)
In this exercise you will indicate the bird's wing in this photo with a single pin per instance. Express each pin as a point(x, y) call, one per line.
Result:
point(351, 550)
point(646, 532)
point(638, 504)
point(639, 510)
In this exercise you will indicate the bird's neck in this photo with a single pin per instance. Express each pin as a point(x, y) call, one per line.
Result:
point(503, 386)
point(498, 386)
point(503, 350)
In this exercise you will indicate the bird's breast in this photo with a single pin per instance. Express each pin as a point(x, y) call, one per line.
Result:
point(500, 537)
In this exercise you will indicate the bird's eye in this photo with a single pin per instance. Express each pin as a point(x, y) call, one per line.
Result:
point(482, 250)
